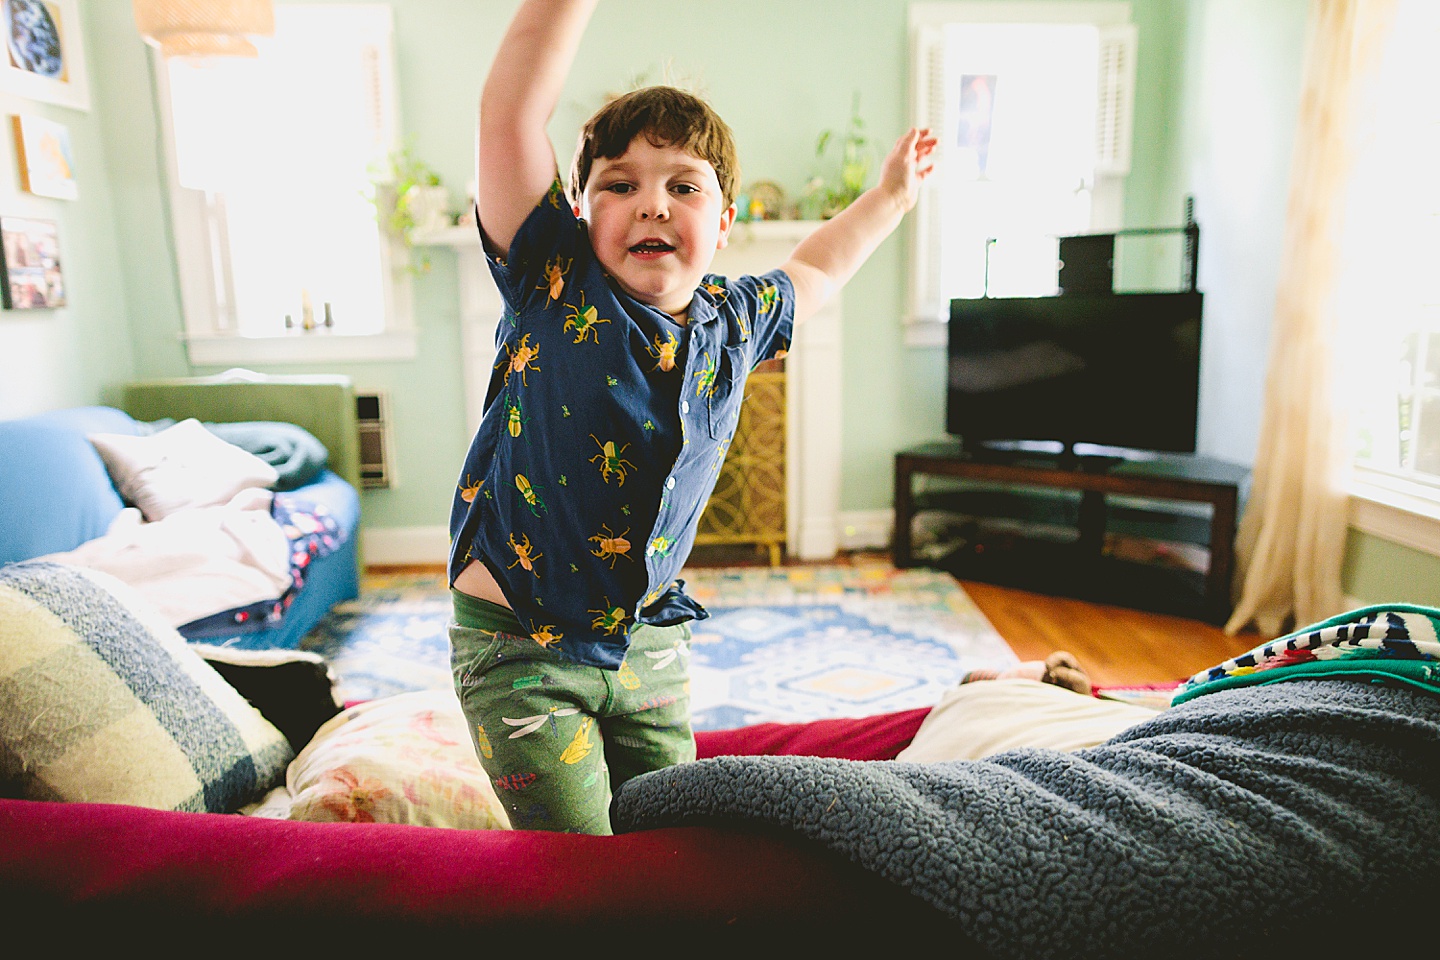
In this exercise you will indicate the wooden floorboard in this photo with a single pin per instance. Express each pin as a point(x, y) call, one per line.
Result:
point(1116, 645)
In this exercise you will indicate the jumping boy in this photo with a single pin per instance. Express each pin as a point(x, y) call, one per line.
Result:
point(616, 391)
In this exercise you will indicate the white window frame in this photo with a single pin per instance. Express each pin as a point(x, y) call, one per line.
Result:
point(198, 231)
point(928, 313)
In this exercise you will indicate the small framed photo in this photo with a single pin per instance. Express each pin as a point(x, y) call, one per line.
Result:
point(46, 166)
point(31, 264)
point(44, 54)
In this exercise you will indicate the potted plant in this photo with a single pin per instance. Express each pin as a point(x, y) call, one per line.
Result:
point(409, 197)
point(826, 196)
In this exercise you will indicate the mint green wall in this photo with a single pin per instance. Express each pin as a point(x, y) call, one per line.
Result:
point(1218, 82)
point(1380, 571)
point(67, 356)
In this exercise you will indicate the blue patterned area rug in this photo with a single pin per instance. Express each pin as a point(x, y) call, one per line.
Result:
point(781, 644)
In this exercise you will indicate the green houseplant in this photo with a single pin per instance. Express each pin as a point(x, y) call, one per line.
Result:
point(408, 196)
point(826, 195)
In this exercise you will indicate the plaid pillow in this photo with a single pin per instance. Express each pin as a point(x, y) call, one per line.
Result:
point(101, 701)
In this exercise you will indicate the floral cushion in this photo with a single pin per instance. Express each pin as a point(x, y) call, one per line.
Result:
point(401, 759)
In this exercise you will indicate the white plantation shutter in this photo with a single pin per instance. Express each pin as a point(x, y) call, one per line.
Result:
point(1115, 100)
point(927, 307)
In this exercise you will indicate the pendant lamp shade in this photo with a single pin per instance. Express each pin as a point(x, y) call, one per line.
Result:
point(204, 28)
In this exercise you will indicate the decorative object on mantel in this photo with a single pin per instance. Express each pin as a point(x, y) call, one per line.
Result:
point(763, 200)
point(43, 149)
point(45, 59)
point(826, 195)
point(409, 198)
point(31, 264)
point(204, 28)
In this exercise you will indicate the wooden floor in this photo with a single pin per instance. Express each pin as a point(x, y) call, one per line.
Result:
point(1116, 645)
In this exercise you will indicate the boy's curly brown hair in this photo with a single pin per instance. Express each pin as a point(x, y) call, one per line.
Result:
point(666, 116)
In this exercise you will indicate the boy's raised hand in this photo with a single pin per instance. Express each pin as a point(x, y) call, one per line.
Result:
point(908, 163)
point(515, 163)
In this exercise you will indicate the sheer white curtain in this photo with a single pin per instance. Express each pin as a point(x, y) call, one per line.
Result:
point(1291, 540)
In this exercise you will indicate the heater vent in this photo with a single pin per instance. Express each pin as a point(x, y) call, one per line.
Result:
point(372, 415)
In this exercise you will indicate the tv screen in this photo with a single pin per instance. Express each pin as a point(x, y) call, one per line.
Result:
point(1111, 369)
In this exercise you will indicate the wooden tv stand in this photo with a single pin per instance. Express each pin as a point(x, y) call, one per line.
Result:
point(1170, 477)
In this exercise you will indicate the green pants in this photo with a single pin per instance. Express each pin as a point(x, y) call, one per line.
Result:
point(556, 736)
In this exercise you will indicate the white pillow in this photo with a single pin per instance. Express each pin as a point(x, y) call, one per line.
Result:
point(181, 466)
point(974, 720)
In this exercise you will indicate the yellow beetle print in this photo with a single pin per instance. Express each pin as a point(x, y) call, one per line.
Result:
point(584, 320)
point(581, 745)
point(521, 360)
point(611, 460)
point(664, 353)
point(553, 280)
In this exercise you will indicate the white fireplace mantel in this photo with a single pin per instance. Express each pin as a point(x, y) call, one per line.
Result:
point(812, 372)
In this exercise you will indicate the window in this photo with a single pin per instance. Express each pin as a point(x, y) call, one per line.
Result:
point(1387, 303)
point(281, 257)
point(1032, 104)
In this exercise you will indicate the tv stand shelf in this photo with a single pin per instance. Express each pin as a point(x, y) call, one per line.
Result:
point(1195, 479)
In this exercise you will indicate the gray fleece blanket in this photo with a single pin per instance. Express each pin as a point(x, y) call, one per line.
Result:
point(1271, 814)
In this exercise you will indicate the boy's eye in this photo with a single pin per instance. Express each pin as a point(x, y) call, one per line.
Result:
point(685, 188)
point(620, 188)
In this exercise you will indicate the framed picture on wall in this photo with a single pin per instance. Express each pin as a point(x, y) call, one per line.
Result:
point(43, 150)
point(44, 54)
point(31, 264)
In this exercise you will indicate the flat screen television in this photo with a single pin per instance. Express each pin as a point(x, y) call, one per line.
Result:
point(1117, 370)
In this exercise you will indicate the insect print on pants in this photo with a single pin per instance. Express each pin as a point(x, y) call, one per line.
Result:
point(529, 725)
point(611, 459)
point(581, 745)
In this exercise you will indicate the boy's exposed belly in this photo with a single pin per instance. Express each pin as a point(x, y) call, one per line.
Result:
point(477, 581)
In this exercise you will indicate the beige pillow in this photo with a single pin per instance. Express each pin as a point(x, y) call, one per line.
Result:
point(407, 758)
point(103, 702)
point(975, 720)
point(181, 466)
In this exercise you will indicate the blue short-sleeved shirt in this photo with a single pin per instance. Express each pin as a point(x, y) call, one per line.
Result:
point(605, 426)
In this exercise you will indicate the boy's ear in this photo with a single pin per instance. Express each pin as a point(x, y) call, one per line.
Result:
point(727, 220)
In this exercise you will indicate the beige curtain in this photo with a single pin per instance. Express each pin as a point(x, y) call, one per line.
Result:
point(1291, 539)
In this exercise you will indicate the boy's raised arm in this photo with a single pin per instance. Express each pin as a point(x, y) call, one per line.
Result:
point(826, 259)
point(515, 162)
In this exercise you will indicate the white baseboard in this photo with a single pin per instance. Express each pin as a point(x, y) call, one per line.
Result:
point(866, 529)
point(428, 546)
point(405, 546)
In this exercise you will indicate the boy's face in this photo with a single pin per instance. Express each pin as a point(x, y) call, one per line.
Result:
point(656, 217)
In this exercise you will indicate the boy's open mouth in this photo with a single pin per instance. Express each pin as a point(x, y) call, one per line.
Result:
point(652, 248)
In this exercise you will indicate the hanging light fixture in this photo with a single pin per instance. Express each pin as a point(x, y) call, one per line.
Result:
point(204, 28)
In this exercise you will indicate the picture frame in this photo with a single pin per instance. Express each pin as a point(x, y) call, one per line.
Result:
point(47, 165)
point(30, 264)
point(44, 52)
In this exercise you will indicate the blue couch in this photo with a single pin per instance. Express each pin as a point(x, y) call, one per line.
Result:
point(55, 493)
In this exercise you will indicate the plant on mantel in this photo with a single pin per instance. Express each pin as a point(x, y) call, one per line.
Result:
point(409, 198)
point(828, 193)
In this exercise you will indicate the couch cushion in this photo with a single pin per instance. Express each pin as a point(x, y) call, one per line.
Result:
point(179, 467)
point(55, 493)
point(402, 759)
point(101, 701)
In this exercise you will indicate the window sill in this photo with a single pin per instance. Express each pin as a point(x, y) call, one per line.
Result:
point(301, 348)
point(923, 331)
point(1397, 512)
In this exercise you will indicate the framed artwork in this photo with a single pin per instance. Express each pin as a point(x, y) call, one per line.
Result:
point(31, 264)
point(44, 55)
point(43, 149)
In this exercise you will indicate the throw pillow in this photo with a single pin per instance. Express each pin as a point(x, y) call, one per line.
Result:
point(181, 466)
point(974, 720)
point(407, 758)
point(101, 701)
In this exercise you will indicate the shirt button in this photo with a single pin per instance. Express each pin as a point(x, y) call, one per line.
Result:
point(684, 406)
point(670, 484)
